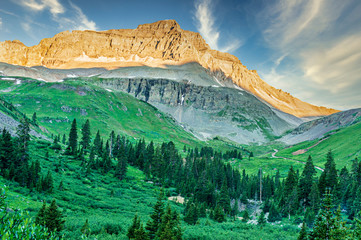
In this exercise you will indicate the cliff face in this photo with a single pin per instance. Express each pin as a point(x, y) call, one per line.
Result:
point(155, 45)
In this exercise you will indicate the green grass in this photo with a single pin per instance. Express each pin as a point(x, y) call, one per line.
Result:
point(344, 143)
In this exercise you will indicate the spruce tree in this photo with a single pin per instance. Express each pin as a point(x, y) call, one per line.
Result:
point(40, 216)
point(261, 219)
point(34, 118)
point(303, 233)
point(132, 228)
point(86, 136)
point(219, 215)
point(23, 132)
point(156, 217)
point(170, 228)
point(306, 181)
point(73, 138)
point(357, 230)
point(245, 216)
point(140, 233)
point(54, 218)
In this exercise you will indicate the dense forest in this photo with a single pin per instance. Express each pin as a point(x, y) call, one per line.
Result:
point(328, 206)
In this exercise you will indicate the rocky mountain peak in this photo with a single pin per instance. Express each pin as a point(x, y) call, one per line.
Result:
point(156, 45)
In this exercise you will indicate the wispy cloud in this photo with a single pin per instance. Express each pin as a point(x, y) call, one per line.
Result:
point(206, 26)
point(323, 39)
point(1, 22)
point(54, 6)
point(71, 18)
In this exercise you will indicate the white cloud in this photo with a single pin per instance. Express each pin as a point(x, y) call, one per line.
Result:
point(323, 39)
point(54, 6)
point(71, 18)
point(1, 22)
point(206, 26)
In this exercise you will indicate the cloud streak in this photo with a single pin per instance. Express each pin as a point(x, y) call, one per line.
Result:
point(323, 39)
point(71, 18)
point(207, 28)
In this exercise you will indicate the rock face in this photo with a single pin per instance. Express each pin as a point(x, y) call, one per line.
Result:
point(319, 127)
point(207, 111)
point(156, 45)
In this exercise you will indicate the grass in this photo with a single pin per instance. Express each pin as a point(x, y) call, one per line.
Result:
point(344, 143)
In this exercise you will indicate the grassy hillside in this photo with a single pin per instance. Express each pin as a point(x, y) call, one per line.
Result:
point(110, 204)
point(345, 144)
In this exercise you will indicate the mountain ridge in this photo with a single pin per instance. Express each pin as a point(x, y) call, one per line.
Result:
point(156, 45)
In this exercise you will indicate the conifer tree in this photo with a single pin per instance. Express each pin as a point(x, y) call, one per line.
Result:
point(73, 138)
point(156, 217)
point(219, 215)
point(357, 230)
point(303, 233)
point(261, 219)
point(121, 167)
point(34, 118)
point(40, 216)
point(169, 228)
point(7, 151)
point(86, 136)
point(140, 233)
point(245, 216)
point(306, 181)
point(23, 132)
point(135, 226)
point(54, 218)
point(191, 214)
point(97, 144)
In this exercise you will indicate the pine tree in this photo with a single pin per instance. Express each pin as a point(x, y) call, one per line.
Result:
point(306, 181)
point(7, 150)
point(261, 219)
point(219, 215)
point(121, 167)
point(156, 217)
point(303, 233)
point(86, 136)
point(191, 214)
point(357, 230)
point(40, 216)
point(274, 215)
point(34, 118)
point(135, 226)
point(169, 228)
point(73, 138)
point(140, 233)
point(98, 144)
point(245, 216)
point(224, 199)
point(54, 218)
point(23, 132)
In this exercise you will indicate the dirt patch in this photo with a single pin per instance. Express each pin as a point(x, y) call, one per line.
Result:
point(177, 199)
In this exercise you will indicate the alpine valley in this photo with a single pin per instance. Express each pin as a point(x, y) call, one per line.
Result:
point(148, 133)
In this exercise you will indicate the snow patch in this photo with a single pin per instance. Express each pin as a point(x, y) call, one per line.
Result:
point(108, 90)
point(238, 87)
point(215, 86)
point(11, 79)
point(18, 82)
point(182, 100)
point(72, 76)
point(218, 81)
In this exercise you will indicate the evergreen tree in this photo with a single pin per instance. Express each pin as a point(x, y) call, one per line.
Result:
point(224, 199)
point(121, 167)
point(134, 227)
point(86, 136)
point(23, 132)
point(156, 217)
point(245, 216)
point(140, 233)
point(170, 228)
point(54, 218)
point(274, 215)
point(34, 118)
point(7, 150)
point(306, 181)
point(40, 216)
point(357, 230)
point(261, 219)
point(219, 215)
point(73, 138)
point(98, 144)
point(191, 214)
point(303, 233)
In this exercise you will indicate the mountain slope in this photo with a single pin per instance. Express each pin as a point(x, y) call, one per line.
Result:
point(155, 45)
point(317, 128)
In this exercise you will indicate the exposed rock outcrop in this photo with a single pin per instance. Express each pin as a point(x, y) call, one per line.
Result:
point(155, 44)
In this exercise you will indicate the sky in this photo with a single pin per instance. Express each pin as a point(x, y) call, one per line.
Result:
point(309, 48)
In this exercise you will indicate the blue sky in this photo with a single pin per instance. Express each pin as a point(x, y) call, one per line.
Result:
point(309, 48)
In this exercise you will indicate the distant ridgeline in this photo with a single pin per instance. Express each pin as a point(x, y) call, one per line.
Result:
point(211, 187)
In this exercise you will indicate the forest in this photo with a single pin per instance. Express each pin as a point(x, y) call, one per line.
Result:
point(326, 205)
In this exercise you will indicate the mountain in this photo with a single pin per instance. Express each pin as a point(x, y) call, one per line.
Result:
point(157, 45)
point(318, 128)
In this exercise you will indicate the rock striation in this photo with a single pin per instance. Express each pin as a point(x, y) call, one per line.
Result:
point(157, 44)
